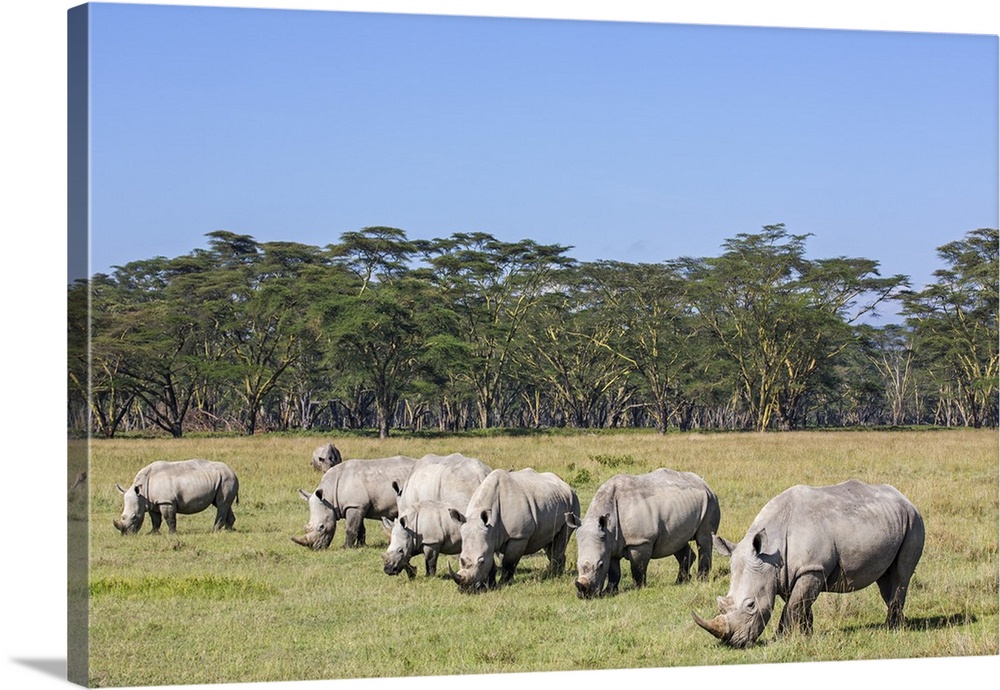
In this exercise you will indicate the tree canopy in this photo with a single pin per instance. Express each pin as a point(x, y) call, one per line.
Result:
point(381, 332)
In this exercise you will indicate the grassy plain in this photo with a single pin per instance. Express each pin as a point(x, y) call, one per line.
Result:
point(252, 606)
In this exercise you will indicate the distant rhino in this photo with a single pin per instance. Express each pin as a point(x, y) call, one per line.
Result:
point(642, 517)
point(353, 491)
point(514, 514)
point(808, 540)
point(325, 457)
point(164, 489)
point(428, 527)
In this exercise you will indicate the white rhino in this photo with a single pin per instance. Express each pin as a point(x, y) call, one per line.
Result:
point(451, 479)
point(808, 540)
point(514, 514)
point(353, 491)
point(164, 489)
point(428, 527)
point(325, 457)
point(642, 517)
point(438, 484)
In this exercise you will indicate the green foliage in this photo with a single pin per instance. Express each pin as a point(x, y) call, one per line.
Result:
point(469, 331)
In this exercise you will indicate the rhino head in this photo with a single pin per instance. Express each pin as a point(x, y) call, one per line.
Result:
point(325, 457)
point(593, 539)
point(404, 543)
point(134, 510)
point(322, 524)
point(477, 569)
point(753, 582)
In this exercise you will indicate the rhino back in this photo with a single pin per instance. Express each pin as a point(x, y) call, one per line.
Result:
point(851, 531)
point(451, 479)
point(366, 484)
point(192, 485)
point(533, 505)
point(664, 508)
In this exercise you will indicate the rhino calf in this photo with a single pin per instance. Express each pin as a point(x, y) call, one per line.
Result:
point(642, 517)
point(325, 457)
point(352, 491)
point(428, 527)
point(808, 540)
point(164, 489)
point(514, 514)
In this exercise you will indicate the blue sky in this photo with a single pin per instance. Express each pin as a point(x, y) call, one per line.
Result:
point(627, 140)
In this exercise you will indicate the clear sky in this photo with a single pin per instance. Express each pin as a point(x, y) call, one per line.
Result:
point(627, 140)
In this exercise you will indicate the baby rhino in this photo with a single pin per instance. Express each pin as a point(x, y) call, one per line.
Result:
point(164, 489)
point(428, 527)
point(642, 517)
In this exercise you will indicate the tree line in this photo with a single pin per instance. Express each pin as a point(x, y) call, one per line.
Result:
point(378, 331)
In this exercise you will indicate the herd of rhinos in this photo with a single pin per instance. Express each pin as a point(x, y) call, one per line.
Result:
point(804, 541)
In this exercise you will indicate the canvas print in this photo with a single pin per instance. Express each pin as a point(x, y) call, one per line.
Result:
point(414, 346)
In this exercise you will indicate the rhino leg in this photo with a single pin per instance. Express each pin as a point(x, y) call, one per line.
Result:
point(430, 561)
point(556, 551)
point(685, 559)
point(797, 615)
point(704, 556)
point(355, 528)
point(894, 584)
point(169, 512)
point(156, 519)
point(638, 557)
point(224, 518)
point(614, 576)
point(511, 557)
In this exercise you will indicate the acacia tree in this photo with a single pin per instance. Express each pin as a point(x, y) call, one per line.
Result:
point(954, 322)
point(376, 324)
point(492, 286)
point(781, 317)
point(153, 340)
point(648, 326)
point(565, 349)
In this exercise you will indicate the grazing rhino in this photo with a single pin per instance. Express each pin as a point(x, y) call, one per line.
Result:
point(451, 479)
point(808, 540)
point(514, 514)
point(164, 489)
point(352, 491)
point(428, 527)
point(325, 457)
point(641, 517)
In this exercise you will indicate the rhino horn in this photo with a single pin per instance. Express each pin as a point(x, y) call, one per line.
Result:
point(453, 574)
point(718, 626)
point(303, 541)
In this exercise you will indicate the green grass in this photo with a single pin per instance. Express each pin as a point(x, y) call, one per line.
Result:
point(251, 606)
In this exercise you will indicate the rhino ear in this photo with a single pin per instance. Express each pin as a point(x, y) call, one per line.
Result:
point(456, 515)
point(723, 547)
point(319, 494)
point(387, 524)
point(760, 542)
point(395, 487)
point(119, 487)
point(304, 495)
point(573, 520)
point(485, 517)
point(602, 521)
